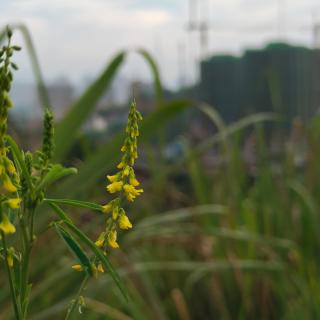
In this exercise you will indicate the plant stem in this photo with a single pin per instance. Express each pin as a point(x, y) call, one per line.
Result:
point(74, 302)
point(10, 277)
point(26, 261)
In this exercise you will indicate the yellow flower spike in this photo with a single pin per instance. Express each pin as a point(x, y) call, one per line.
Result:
point(6, 226)
point(124, 222)
point(14, 203)
point(112, 239)
point(113, 178)
point(115, 186)
point(124, 181)
point(8, 185)
point(77, 267)
point(2, 170)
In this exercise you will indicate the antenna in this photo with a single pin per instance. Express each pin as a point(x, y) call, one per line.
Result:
point(201, 24)
point(316, 35)
point(315, 29)
point(182, 64)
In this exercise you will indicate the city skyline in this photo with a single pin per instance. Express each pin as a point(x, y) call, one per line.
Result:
point(76, 39)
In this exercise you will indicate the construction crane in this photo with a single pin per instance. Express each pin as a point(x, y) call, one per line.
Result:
point(198, 21)
point(316, 35)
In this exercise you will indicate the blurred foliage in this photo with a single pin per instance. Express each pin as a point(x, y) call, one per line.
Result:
point(221, 239)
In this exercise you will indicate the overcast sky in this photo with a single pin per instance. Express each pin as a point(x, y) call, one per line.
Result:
point(76, 38)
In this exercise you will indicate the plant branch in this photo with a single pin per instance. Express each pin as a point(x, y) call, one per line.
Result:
point(10, 277)
point(74, 303)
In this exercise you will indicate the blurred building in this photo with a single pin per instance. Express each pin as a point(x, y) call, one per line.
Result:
point(61, 94)
point(280, 78)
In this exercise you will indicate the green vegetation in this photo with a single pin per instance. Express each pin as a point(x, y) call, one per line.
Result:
point(229, 241)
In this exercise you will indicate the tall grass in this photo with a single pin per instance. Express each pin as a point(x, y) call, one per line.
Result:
point(227, 241)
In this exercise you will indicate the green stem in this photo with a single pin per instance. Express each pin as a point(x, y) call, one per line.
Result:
point(10, 277)
point(26, 262)
point(24, 281)
point(74, 303)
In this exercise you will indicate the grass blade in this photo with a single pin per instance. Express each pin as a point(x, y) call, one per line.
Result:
point(75, 248)
point(104, 259)
point(68, 128)
point(76, 203)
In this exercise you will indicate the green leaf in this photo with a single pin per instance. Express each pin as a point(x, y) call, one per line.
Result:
point(67, 129)
point(62, 215)
point(104, 259)
point(55, 173)
point(76, 203)
point(156, 75)
point(75, 248)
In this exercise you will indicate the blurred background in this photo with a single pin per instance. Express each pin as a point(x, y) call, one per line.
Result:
point(228, 225)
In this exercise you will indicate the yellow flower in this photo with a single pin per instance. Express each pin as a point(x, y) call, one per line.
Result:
point(134, 182)
point(10, 260)
point(8, 185)
point(6, 226)
point(123, 149)
point(115, 186)
point(99, 243)
point(126, 171)
point(131, 192)
point(14, 203)
point(112, 239)
point(115, 213)
point(130, 197)
point(77, 267)
point(107, 208)
point(113, 178)
point(124, 222)
point(120, 165)
point(1, 169)
point(100, 268)
point(10, 166)
point(100, 240)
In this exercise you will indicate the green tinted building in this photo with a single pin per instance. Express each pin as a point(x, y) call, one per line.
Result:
point(280, 78)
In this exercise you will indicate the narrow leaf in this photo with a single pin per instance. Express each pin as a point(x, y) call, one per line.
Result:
point(55, 173)
point(75, 248)
point(104, 259)
point(67, 129)
point(76, 203)
point(156, 74)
